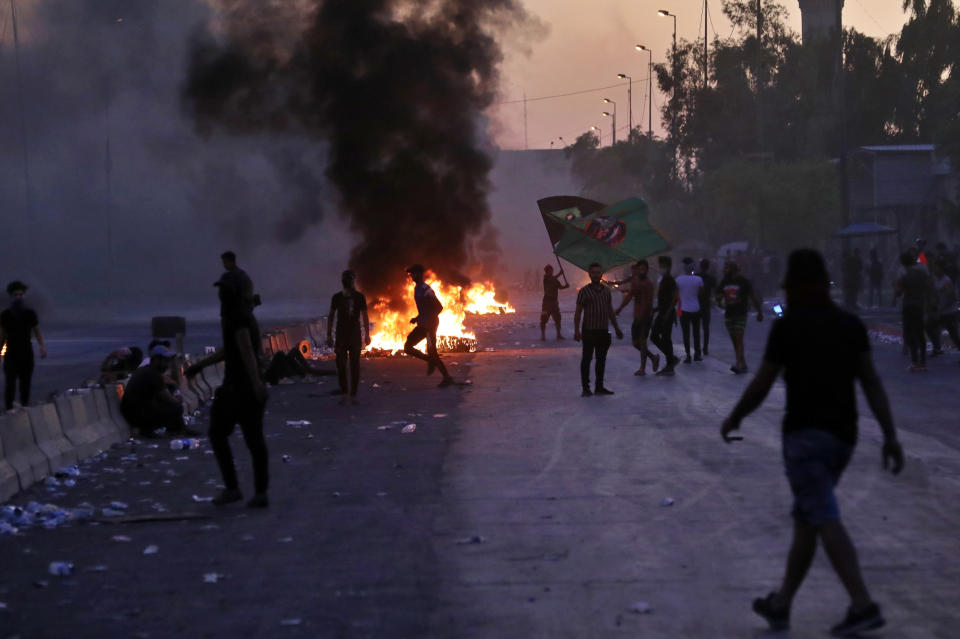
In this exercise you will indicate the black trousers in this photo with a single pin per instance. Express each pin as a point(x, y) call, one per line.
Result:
point(348, 350)
point(705, 325)
point(150, 416)
point(232, 407)
point(913, 335)
point(17, 367)
point(690, 320)
point(595, 341)
point(661, 334)
point(876, 296)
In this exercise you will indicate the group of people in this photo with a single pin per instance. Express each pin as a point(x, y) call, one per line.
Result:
point(657, 307)
point(929, 304)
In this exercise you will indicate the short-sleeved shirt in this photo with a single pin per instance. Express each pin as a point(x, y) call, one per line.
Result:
point(235, 372)
point(689, 287)
point(17, 324)
point(143, 387)
point(596, 301)
point(737, 292)
point(551, 289)
point(819, 395)
point(642, 291)
point(915, 285)
point(428, 306)
point(349, 309)
point(665, 294)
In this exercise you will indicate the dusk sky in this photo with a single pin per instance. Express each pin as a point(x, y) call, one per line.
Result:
point(586, 44)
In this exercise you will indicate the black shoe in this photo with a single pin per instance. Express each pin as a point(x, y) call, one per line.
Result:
point(867, 619)
point(705, 351)
point(586, 393)
point(603, 391)
point(778, 619)
point(446, 381)
point(666, 372)
point(258, 501)
point(697, 358)
point(673, 361)
point(228, 496)
point(688, 360)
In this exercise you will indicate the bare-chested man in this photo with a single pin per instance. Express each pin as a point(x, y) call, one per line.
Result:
point(641, 293)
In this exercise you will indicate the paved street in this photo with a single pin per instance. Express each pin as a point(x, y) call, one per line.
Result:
point(369, 530)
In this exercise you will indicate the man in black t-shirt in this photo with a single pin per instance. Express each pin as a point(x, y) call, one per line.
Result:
point(706, 302)
point(735, 292)
point(666, 316)
point(147, 404)
point(348, 307)
point(16, 324)
point(551, 301)
point(819, 432)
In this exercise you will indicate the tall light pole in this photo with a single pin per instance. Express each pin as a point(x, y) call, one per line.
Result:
point(663, 13)
point(624, 76)
point(599, 134)
point(706, 67)
point(640, 47)
point(614, 116)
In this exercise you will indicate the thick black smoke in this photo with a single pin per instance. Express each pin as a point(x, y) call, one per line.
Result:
point(396, 89)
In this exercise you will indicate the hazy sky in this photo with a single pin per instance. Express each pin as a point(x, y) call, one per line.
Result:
point(589, 43)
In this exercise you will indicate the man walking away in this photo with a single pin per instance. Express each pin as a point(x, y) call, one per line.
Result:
point(551, 301)
point(944, 309)
point(595, 305)
point(427, 322)
point(706, 301)
point(347, 307)
point(915, 288)
point(641, 292)
point(736, 292)
point(666, 316)
point(819, 433)
point(876, 279)
point(16, 324)
point(689, 287)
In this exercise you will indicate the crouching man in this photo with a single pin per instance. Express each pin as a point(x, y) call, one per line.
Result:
point(147, 404)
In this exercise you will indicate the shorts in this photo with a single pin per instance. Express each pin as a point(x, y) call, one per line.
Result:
point(737, 324)
point(814, 460)
point(640, 328)
point(549, 307)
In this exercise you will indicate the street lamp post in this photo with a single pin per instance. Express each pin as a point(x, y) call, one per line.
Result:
point(599, 134)
point(640, 47)
point(624, 76)
point(606, 114)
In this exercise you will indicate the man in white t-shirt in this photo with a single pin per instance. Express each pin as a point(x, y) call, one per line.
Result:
point(689, 287)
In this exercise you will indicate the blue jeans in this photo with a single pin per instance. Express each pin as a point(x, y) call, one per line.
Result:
point(814, 459)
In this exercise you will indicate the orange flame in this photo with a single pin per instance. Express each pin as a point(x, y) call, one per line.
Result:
point(392, 327)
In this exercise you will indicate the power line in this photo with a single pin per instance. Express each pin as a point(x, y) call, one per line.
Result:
point(869, 15)
point(566, 95)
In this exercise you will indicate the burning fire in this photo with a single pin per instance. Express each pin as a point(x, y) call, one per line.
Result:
point(391, 328)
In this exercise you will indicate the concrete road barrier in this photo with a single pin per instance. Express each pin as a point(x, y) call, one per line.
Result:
point(77, 425)
point(116, 417)
point(9, 484)
point(21, 451)
point(109, 433)
point(49, 437)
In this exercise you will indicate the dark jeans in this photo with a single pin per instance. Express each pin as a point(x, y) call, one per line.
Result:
point(913, 334)
point(349, 349)
point(688, 320)
point(232, 407)
point(17, 366)
point(594, 341)
point(705, 325)
point(876, 295)
point(937, 325)
point(150, 416)
point(660, 335)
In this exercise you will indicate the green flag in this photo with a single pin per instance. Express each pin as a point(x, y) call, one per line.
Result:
point(583, 231)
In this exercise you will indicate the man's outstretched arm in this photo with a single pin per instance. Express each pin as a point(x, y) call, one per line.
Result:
point(880, 406)
point(752, 397)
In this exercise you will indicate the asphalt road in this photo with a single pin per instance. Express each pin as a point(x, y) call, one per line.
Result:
point(515, 509)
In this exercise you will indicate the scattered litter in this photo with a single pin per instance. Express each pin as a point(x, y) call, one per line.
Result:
point(181, 458)
point(409, 428)
point(298, 422)
point(120, 538)
point(151, 550)
point(69, 471)
point(290, 622)
point(199, 500)
point(3, 606)
point(640, 608)
point(209, 527)
point(52, 481)
point(375, 385)
point(60, 568)
point(439, 415)
point(145, 483)
point(111, 512)
point(285, 540)
point(666, 501)
point(211, 577)
point(247, 538)
point(387, 427)
point(13, 518)
point(476, 539)
point(184, 444)
point(336, 493)
point(381, 494)
point(97, 568)
point(41, 583)
point(286, 459)
point(118, 505)
point(70, 483)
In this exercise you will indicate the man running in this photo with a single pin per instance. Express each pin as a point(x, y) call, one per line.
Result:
point(666, 316)
point(641, 293)
point(689, 288)
point(17, 323)
point(915, 287)
point(595, 305)
point(348, 307)
point(551, 301)
point(819, 432)
point(735, 292)
point(427, 321)
point(706, 302)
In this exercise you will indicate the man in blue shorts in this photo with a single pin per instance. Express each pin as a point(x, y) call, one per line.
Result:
point(819, 432)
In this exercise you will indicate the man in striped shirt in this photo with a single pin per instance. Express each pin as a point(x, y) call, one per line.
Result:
point(595, 305)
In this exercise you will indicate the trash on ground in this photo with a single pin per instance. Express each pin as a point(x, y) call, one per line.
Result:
point(298, 422)
point(640, 607)
point(286, 458)
point(439, 415)
point(151, 550)
point(290, 622)
point(112, 512)
point(60, 568)
point(119, 505)
point(409, 428)
point(184, 444)
point(285, 540)
point(97, 568)
point(667, 501)
point(120, 538)
point(69, 471)
point(211, 577)
point(198, 499)
point(387, 427)
point(475, 539)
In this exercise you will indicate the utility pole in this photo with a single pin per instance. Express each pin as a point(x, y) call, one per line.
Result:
point(706, 67)
point(841, 112)
point(25, 144)
point(526, 141)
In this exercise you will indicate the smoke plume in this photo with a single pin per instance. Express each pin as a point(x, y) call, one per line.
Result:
point(395, 90)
